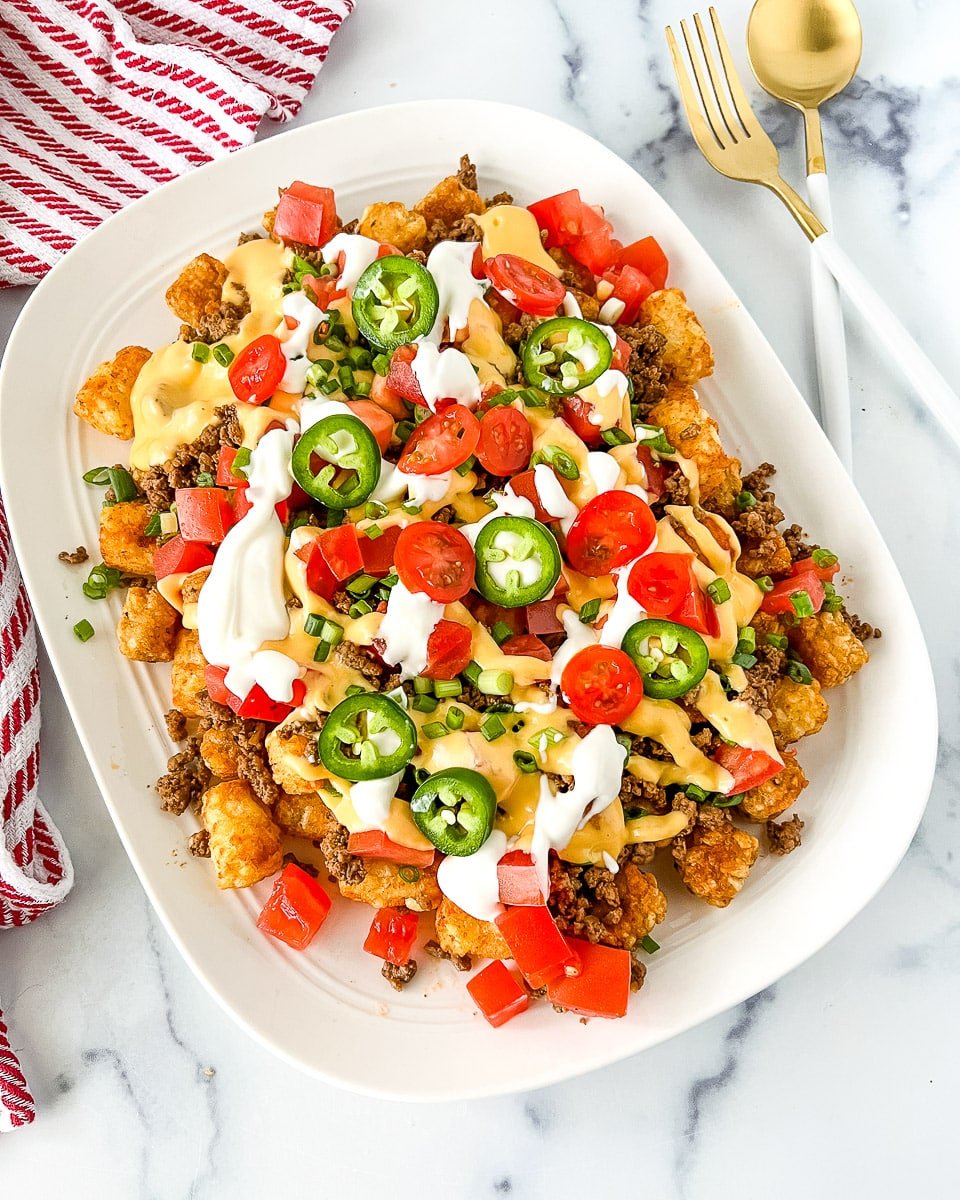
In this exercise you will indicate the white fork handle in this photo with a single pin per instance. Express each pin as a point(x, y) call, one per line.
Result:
point(828, 337)
point(927, 381)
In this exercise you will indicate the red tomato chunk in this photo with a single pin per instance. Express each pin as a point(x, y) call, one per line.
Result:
point(518, 880)
point(177, 557)
point(392, 934)
point(788, 595)
point(537, 945)
point(204, 514)
point(374, 843)
point(448, 650)
point(497, 994)
point(306, 214)
point(749, 768)
point(602, 988)
point(297, 907)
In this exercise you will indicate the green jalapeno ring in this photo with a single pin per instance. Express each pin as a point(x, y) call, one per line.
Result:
point(395, 301)
point(518, 561)
point(671, 658)
point(565, 357)
point(362, 724)
point(345, 443)
point(455, 810)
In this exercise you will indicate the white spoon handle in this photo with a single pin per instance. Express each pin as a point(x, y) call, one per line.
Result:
point(828, 337)
point(927, 381)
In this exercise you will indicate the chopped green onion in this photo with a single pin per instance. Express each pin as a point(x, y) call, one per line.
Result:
point(359, 358)
point(334, 343)
point(223, 354)
point(777, 640)
point(241, 460)
point(649, 945)
point(331, 633)
point(467, 466)
point(744, 660)
point(590, 610)
point(83, 630)
point(374, 510)
point(411, 509)
point(532, 398)
point(425, 704)
point(354, 690)
point(747, 641)
point(334, 518)
point(721, 801)
point(361, 585)
point(101, 580)
point(98, 476)
point(205, 480)
point(200, 352)
point(359, 609)
point(552, 737)
point(381, 364)
point(423, 686)
point(389, 581)
point(373, 532)
point(329, 386)
point(655, 438)
point(802, 604)
point(122, 483)
point(824, 558)
point(362, 388)
point(616, 437)
point(409, 874)
point(471, 672)
point(696, 793)
point(455, 717)
point(152, 527)
point(492, 727)
point(345, 375)
point(322, 652)
point(446, 689)
point(501, 632)
point(624, 740)
point(831, 601)
point(435, 730)
point(799, 672)
point(559, 459)
point(718, 591)
point(169, 523)
point(404, 429)
point(525, 761)
point(421, 414)
point(746, 501)
point(495, 683)
point(313, 624)
point(764, 583)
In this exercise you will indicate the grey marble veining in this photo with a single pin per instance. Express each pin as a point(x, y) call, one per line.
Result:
point(842, 1079)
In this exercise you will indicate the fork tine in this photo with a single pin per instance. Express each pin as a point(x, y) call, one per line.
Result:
point(706, 92)
point(741, 102)
point(734, 128)
point(703, 135)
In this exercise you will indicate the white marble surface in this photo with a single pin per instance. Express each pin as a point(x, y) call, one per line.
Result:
point(841, 1079)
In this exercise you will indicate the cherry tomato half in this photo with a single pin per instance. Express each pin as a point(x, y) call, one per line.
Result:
point(256, 371)
point(436, 559)
point(442, 442)
point(661, 582)
point(577, 413)
point(506, 441)
point(611, 530)
point(532, 289)
point(655, 471)
point(602, 685)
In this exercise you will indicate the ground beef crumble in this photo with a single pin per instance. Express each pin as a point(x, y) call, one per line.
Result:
point(398, 977)
point(74, 557)
point(463, 962)
point(199, 844)
point(249, 736)
point(784, 836)
point(645, 368)
point(584, 901)
point(186, 780)
point(159, 483)
point(341, 864)
point(638, 973)
point(762, 678)
point(176, 724)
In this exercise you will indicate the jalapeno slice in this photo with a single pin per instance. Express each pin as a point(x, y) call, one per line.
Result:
point(671, 658)
point(350, 461)
point(518, 561)
point(455, 810)
point(367, 736)
point(395, 301)
point(565, 354)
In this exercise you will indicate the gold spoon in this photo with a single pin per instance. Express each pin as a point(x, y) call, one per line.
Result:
point(804, 52)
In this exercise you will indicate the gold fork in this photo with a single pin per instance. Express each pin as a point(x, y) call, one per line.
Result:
point(734, 143)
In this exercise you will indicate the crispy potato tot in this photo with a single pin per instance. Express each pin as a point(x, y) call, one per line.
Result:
point(197, 291)
point(123, 543)
point(245, 842)
point(449, 201)
point(644, 905)
point(147, 629)
point(304, 815)
point(715, 858)
point(687, 354)
point(797, 710)
point(104, 400)
point(692, 430)
point(218, 749)
point(190, 588)
point(775, 796)
point(458, 933)
point(770, 557)
point(829, 647)
point(286, 748)
point(187, 684)
point(383, 887)
point(764, 623)
point(394, 223)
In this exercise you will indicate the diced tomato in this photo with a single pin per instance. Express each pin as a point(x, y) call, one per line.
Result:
point(542, 618)
point(400, 377)
point(577, 413)
point(217, 690)
point(780, 599)
point(441, 442)
point(610, 530)
point(825, 574)
point(528, 644)
point(376, 419)
point(537, 945)
point(392, 934)
point(297, 907)
point(256, 371)
point(525, 485)
point(325, 289)
point(488, 614)
point(621, 354)
point(603, 685)
point(379, 553)
point(661, 582)
point(518, 880)
point(225, 476)
point(631, 287)
point(204, 514)
point(449, 649)
point(647, 257)
point(437, 559)
point(177, 557)
point(749, 768)
point(654, 470)
point(306, 214)
point(697, 610)
point(596, 250)
point(531, 288)
point(476, 263)
point(258, 706)
point(332, 559)
point(497, 994)
point(602, 989)
point(374, 843)
point(583, 229)
point(560, 217)
point(389, 401)
point(506, 441)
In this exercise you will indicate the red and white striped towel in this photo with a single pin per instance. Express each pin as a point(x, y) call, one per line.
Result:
point(101, 102)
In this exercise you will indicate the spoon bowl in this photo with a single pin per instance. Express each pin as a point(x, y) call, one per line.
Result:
point(804, 53)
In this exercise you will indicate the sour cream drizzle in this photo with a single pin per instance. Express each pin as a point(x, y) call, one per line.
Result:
point(445, 375)
point(450, 265)
point(407, 624)
point(358, 253)
point(553, 499)
point(294, 342)
point(372, 799)
point(471, 882)
point(242, 604)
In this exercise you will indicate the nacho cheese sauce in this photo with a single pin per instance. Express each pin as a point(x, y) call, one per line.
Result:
point(246, 625)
